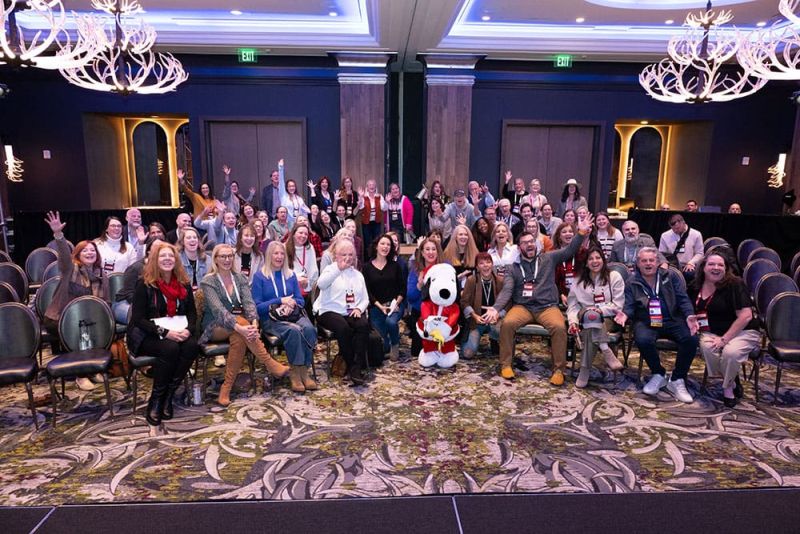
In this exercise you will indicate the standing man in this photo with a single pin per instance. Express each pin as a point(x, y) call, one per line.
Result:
point(682, 246)
point(271, 194)
point(531, 286)
point(660, 308)
point(479, 197)
point(460, 211)
point(514, 192)
point(691, 206)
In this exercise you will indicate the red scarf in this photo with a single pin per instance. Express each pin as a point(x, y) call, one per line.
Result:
point(172, 291)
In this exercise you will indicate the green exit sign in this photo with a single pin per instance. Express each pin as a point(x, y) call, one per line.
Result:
point(248, 55)
point(563, 61)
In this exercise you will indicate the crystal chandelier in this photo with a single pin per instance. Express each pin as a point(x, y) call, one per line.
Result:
point(127, 63)
point(774, 53)
point(52, 48)
point(696, 69)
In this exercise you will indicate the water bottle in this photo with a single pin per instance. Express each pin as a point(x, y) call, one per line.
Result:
point(570, 348)
point(197, 394)
point(85, 342)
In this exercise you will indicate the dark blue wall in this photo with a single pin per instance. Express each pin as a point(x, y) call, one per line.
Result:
point(759, 126)
point(45, 112)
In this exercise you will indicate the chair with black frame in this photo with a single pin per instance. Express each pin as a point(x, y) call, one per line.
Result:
point(767, 254)
point(796, 276)
point(4, 257)
point(623, 339)
point(44, 296)
point(783, 335)
point(19, 343)
point(50, 271)
point(85, 321)
point(755, 271)
point(16, 277)
point(745, 248)
point(769, 287)
point(712, 242)
point(794, 264)
point(7, 293)
point(52, 245)
point(36, 263)
point(115, 282)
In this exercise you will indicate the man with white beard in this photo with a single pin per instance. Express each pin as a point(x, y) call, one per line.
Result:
point(625, 251)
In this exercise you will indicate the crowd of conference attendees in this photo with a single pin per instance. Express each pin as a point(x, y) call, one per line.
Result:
point(287, 264)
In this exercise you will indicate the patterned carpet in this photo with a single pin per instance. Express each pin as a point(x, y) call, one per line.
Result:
point(409, 432)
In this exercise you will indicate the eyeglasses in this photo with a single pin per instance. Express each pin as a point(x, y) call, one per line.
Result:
point(225, 256)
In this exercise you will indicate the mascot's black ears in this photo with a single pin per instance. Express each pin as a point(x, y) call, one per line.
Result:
point(425, 292)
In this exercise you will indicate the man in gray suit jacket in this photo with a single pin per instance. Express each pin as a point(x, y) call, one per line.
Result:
point(625, 251)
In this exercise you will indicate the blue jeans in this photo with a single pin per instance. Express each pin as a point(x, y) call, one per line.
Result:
point(645, 338)
point(121, 309)
point(298, 338)
point(474, 339)
point(386, 325)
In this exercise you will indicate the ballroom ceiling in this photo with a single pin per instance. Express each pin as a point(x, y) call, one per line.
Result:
point(596, 30)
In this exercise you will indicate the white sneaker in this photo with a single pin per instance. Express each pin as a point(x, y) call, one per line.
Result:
point(219, 361)
point(654, 385)
point(84, 383)
point(583, 377)
point(678, 390)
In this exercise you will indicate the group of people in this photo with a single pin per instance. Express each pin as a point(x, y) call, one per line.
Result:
point(233, 273)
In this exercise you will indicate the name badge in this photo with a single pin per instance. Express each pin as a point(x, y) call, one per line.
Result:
point(108, 265)
point(681, 250)
point(527, 289)
point(702, 322)
point(599, 298)
point(569, 279)
point(349, 210)
point(350, 300)
point(237, 310)
point(372, 214)
point(395, 215)
point(245, 272)
point(654, 309)
point(515, 209)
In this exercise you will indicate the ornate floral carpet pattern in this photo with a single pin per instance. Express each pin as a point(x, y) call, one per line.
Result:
point(409, 432)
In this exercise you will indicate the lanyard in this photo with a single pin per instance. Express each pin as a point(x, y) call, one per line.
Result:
point(303, 261)
point(535, 269)
point(225, 289)
point(272, 279)
point(572, 264)
point(626, 253)
point(487, 289)
point(708, 300)
point(648, 289)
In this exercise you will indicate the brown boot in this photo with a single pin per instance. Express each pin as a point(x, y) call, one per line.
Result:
point(296, 379)
point(276, 369)
point(232, 367)
point(308, 382)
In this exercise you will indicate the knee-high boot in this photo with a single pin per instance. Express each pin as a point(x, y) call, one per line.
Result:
point(155, 405)
point(167, 409)
point(232, 367)
point(276, 369)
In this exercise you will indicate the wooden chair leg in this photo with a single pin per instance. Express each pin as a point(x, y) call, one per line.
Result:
point(29, 389)
point(108, 394)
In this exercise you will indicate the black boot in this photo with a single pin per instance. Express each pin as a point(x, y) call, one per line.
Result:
point(167, 409)
point(495, 347)
point(356, 377)
point(154, 408)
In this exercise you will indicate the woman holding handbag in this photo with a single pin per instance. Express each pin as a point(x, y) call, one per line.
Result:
point(230, 315)
point(280, 304)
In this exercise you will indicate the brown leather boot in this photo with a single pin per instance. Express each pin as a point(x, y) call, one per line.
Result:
point(276, 369)
point(296, 379)
point(232, 368)
point(308, 382)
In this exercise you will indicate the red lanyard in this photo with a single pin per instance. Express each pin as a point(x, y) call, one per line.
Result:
point(708, 300)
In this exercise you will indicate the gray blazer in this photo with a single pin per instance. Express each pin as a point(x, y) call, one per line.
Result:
point(618, 250)
point(218, 309)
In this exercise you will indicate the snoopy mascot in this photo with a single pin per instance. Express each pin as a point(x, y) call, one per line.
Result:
point(438, 321)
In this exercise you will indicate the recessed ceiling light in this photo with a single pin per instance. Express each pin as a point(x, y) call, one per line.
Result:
point(580, 20)
point(761, 24)
point(669, 21)
point(235, 12)
point(333, 14)
point(486, 18)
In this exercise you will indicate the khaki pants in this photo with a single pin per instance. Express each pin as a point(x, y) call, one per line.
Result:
point(551, 318)
point(727, 362)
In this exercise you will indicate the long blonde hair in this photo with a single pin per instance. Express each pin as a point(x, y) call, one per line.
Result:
point(266, 269)
point(450, 254)
point(212, 269)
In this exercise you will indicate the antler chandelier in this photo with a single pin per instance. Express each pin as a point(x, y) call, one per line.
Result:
point(52, 48)
point(774, 53)
point(696, 69)
point(126, 63)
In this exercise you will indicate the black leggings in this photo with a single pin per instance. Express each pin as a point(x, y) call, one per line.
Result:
point(352, 335)
point(173, 359)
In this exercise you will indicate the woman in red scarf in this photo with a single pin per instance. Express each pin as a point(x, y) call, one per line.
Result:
point(163, 322)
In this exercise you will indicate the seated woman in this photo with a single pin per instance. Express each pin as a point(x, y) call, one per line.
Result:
point(567, 271)
point(262, 236)
point(275, 285)
point(164, 292)
point(193, 256)
point(605, 233)
point(728, 331)
point(461, 253)
point(249, 259)
point(428, 253)
point(482, 232)
point(503, 252)
point(479, 295)
point(117, 253)
point(387, 291)
point(248, 214)
point(230, 315)
point(303, 261)
point(599, 290)
point(81, 274)
point(341, 308)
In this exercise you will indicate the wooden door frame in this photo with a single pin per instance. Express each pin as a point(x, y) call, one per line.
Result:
point(598, 154)
point(205, 139)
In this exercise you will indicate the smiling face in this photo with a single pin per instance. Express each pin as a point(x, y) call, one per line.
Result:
point(248, 237)
point(114, 229)
point(248, 211)
point(166, 260)
point(519, 186)
point(630, 231)
point(461, 237)
point(301, 236)
point(566, 235)
point(155, 232)
point(594, 262)
point(532, 226)
point(527, 246)
point(601, 221)
point(184, 220)
point(394, 190)
point(436, 206)
point(429, 253)
point(483, 226)
point(536, 186)
point(277, 258)
point(490, 213)
point(190, 240)
point(350, 226)
point(224, 258)
point(383, 247)
point(647, 262)
point(229, 219)
point(714, 268)
point(340, 211)
point(263, 217)
point(569, 216)
point(485, 268)
point(526, 212)
point(324, 184)
point(291, 187)
point(324, 217)
point(582, 212)
point(501, 234)
point(88, 255)
point(547, 211)
point(134, 217)
point(275, 178)
point(347, 183)
point(234, 187)
point(258, 226)
point(205, 190)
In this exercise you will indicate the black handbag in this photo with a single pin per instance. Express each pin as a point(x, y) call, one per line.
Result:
point(277, 312)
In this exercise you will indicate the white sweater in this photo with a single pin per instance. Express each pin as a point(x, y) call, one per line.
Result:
point(112, 259)
point(334, 286)
point(308, 269)
point(581, 297)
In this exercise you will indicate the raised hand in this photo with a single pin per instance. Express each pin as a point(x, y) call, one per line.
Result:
point(226, 170)
point(508, 176)
point(461, 219)
point(252, 190)
point(360, 192)
point(181, 175)
point(54, 221)
point(141, 234)
point(280, 162)
point(485, 187)
point(585, 226)
point(337, 195)
point(311, 185)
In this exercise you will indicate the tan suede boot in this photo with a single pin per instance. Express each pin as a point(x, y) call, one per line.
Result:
point(296, 379)
point(232, 368)
point(276, 369)
point(308, 382)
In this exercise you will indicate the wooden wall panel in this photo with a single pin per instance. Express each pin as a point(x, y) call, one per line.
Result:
point(104, 139)
point(362, 115)
point(234, 144)
point(448, 135)
point(525, 153)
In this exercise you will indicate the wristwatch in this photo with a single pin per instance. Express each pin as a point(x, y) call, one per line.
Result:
point(162, 332)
